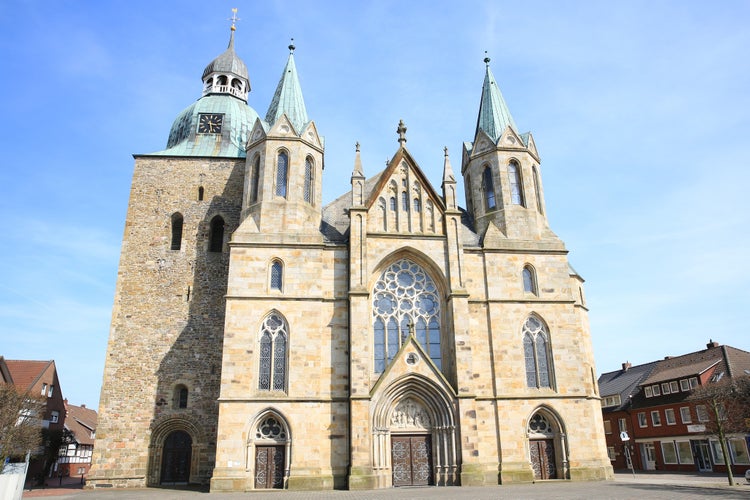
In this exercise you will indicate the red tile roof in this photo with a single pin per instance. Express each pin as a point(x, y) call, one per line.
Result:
point(26, 373)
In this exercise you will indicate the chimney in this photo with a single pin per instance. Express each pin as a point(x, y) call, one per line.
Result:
point(83, 406)
point(626, 366)
point(711, 344)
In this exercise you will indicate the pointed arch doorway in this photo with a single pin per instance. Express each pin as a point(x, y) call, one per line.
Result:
point(547, 448)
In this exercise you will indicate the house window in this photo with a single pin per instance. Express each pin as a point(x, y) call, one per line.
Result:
point(55, 416)
point(655, 418)
point(611, 453)
point(622, 424)
point(642, 419)
point(684, 453)
point(668, 452)
point(655, 390)
point(216, 235)
point(488, 189)
point(282, 167)
point(716, 452)
point(51, 391)
point(611, 401)
point(308, 180)
point(255, 177)
point(693, 382)
point(272, 365)
point(673, 387)
point(700, 410)
point(648, 392)
point(176, 231)
point(536, 355)
point(516, 189)
point(669, 416)
point(665, 388)
point(529, 280)
point(405, 302)
point(536, 190)
point(685, 415)
point(44, 389)
point(738, 451)
point(276, 275)
point(684, 385)
point(607, 427)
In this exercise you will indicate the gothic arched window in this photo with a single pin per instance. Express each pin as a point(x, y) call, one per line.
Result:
point(405, 302)
point(216, 235)
point(417, 205)
point(536, 351)
point(277, 275)
point(383, 213)
point(529, 280)
point(404, 201)
point(308, 180)
point(255, 179)
point(176, 231)
point(516, 189)
point(488, 188)
point(536, 190)
point(282, 168)
point(272, 363)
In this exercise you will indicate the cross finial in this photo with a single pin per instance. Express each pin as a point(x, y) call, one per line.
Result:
point(486, 58)
point(445, 149)
point(292, 47)
point(357, 146)
point(234, 19)
point(401, 131)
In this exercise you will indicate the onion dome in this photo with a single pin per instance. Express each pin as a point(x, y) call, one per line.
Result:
point(227, 74)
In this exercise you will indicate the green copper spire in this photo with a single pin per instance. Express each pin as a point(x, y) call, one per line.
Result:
point(494, 116)
point(288, 97)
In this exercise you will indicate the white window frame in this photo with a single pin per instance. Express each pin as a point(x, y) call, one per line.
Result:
point(670, 444)
point(684, 385)
point(642, 421)
point(667, 413)
point(684, 445)
point(611, 453)
point(655, 418)
point(702, 412)
point(607, 427)
point(732, 445)
point(622, 424)
point(693, 382)
point(689, 419)
point(665, 388)
point(674, 387)
point(648, 392)
point(655, 390)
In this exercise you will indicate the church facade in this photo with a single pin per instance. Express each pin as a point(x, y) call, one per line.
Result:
point(261, 339)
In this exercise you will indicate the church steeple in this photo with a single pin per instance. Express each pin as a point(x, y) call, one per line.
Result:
point(288, 97)
point(227, 74)
point(494, 115)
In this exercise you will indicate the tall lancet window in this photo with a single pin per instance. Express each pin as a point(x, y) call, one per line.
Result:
point(282, 168)
point(277, 275)
point(488, 188)
point(308, 180)
point(272, 363)
point(177, 221)
point(536, 354)
point(536, 190)
point(529, 280)
point(405, 302)
point(516, 189)
point(255, 179)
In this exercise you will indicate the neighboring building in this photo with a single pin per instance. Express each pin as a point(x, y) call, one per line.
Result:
point(263, 340)
point(38, 378)
point(74, 458)
point(665, 425)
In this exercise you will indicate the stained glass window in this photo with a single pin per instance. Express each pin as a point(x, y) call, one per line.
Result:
point(405, 302)
point(272, 360)
point(529, 283)
point(308, 180)
point(282, 165)
point(536, 354)
point(276, 275)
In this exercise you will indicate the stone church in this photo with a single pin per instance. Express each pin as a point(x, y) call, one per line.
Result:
point(262, 339)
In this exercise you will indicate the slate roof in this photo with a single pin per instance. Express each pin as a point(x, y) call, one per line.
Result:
point(624, 383)
point(694, 364)
point(288, 98)
point(494, 115)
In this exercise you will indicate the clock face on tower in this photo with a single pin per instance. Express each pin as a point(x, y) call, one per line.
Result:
point(209, 123)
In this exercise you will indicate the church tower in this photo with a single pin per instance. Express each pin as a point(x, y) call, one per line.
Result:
point(501, 172)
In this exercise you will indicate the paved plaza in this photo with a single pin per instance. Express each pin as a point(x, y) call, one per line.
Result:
point(625, 486)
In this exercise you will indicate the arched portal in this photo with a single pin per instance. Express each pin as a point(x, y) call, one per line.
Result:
point(415, 439)
point(176, 458)
point(547, 445)
point(268, 451)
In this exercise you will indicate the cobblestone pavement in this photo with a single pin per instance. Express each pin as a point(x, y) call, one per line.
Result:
point(625, 486)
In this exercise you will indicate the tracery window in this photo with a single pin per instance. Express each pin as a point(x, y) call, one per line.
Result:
point(516, 191)
point(308, 180)
point(270, 428)
point(272, 363)
point(405, 301)
point(177, 222)
point(282, 167)
point(529, 280)
point(536, 354)
point(277, 275)
point(488, 188)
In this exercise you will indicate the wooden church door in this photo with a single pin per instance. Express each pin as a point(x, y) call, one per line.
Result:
point(175, 464)
point(269, 466)
point(543, 458)
point(411, 460)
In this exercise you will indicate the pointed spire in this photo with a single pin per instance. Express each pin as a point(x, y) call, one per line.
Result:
point(447, 169)
point(358, 172)
point(494, 116)
point(401, 131)
point(288, 96)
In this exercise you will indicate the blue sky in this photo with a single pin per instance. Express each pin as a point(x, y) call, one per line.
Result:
point(640, 111)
